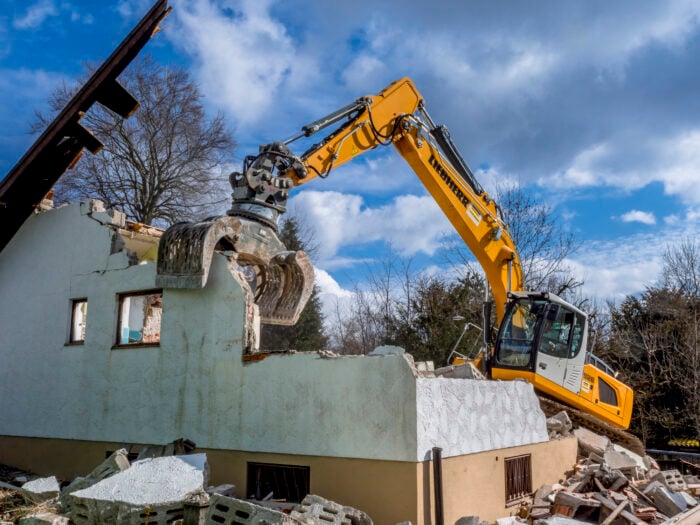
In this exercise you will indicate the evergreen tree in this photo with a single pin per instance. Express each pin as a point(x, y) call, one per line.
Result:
point(308, 332)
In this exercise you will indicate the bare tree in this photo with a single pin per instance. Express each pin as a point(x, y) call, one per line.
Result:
point(682, 268)
point(160, 166)
point(542, 243)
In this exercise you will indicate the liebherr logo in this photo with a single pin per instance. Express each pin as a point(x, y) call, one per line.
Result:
point(435, 163)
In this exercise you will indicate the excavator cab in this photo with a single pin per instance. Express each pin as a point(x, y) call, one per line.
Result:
point(543, 339)
point(537, 327)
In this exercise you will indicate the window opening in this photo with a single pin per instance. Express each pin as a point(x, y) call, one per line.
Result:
point(139, 318)
point(284, 482)
point(556, 333)
point(607, 393)
point(518, 333)
point(78, 321)
point(518, 477)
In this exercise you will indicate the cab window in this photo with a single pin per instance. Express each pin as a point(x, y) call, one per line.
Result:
point(518, 333)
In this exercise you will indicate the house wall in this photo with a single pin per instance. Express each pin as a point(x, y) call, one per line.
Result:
point(365, 424)
point(474, 484)
point(389, 491)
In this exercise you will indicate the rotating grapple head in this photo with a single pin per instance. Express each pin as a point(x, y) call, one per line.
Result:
point(281, 280)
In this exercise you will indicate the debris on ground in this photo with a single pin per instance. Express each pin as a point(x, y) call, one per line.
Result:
point(159, 490)
point(610, 485)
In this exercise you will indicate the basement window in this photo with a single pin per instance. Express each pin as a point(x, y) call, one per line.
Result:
point(518, 478)
point(139, 318)
point(280, 482)
point(78, 321)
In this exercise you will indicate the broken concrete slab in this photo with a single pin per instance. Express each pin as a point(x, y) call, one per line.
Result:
point(560, 520)
point(590, 442)
point(44, 518)
point(571, 505)
point(468, 520)
point(461, 371)
point(559, 423)
point(689, 500)
point(320, 510)
point(118, 461)
point(618, 460)
point(41, 489)
point(225, 489)
point(153, 488)
point(691, 517)
point(667, 501)
point(223, 509)
point(639, 460)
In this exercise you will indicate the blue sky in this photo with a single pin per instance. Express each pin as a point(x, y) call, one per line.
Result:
point(593, 106)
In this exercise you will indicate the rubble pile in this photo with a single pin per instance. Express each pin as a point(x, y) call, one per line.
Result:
point(612, 486)
point(158, 490)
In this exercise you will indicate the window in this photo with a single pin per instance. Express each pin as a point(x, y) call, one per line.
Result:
point(607, 393)
point(285, 482)
point(518, 477)
point(518, 332)
point(556, 330)
point(78, 321)
point(139, 318)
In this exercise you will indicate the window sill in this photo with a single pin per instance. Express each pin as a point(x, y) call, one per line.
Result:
point(74, 343)
point(135, 345)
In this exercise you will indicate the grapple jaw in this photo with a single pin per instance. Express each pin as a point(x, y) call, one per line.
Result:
point(281, 280)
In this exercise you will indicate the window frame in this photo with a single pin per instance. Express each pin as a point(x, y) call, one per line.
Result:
point(294, 476)
point(518, 485)
point(70, 341)
point(117, 336)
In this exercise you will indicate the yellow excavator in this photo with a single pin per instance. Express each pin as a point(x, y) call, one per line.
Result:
point(541, 338)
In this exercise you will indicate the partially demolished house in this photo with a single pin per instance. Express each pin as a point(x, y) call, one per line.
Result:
point(95, 356)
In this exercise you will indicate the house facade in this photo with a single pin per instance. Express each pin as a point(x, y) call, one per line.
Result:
point(94, 356)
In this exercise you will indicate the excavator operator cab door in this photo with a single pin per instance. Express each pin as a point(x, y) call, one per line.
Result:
point(559, 358)
point(517, 337)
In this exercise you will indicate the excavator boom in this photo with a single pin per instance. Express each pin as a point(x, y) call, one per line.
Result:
point(542, 338)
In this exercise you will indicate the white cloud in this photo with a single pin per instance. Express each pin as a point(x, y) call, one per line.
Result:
point(583, 170)
point(362, 71)
point(644, 217)
point(409, 223)
point(36, 15)
point(680, 171)
point(241, 60)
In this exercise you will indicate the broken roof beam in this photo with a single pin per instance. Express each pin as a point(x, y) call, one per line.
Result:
point(59, 147)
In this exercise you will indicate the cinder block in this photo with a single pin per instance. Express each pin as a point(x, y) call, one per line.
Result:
point(230, 511)
point(672, 479)
point(321, 510)
point(667, 501)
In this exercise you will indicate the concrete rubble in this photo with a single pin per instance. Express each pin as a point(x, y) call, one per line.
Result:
point(610, 485)
point(165, 490)
point(41, 489)
point(155, 488)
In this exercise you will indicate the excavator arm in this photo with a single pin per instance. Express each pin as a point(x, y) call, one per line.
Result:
point(396, 116)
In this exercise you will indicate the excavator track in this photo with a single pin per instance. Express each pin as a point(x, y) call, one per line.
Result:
point(622, 438)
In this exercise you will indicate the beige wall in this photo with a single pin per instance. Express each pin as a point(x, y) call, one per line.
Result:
point(474, 484)
point(389, 491)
